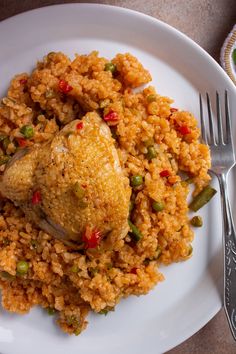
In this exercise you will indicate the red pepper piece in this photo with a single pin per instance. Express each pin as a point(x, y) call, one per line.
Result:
point(23, 81)
point(80, 125)
point(36, 198)
point(22, 142)
point(133, 270)
point(173, 110)
point(184, 130)
point(91, 238)
point(165, 173)
point(111, 117)
point(64, 87)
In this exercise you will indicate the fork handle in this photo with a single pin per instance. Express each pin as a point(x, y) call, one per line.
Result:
point(229, 240)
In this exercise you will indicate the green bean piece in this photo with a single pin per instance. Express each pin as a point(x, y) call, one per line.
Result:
point(158, 206)
point(110, 67)
point(202, 198)
point(131, 206)
point(151, 153)
point(196, 221)
point(136, 233)
point(151, 98)
point(22, 267)
point(27, 131)
point(4, 159)
point(234, 56)
point(136, 181)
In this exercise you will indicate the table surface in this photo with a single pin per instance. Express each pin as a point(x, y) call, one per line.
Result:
point(207, 22)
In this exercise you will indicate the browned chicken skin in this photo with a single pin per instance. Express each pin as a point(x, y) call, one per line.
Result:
point(79, 180)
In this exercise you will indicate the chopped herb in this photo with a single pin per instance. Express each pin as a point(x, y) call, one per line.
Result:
point(27, 131)
point(151, 153)
point(4, 159)
point(51, 311)
point(110, 67)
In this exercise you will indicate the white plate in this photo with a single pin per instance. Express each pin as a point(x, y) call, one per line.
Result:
point(191, 294)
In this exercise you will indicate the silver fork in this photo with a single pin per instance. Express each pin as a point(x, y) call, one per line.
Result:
point(220, 142)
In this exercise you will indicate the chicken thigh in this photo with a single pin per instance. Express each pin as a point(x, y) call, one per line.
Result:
point(72, 184)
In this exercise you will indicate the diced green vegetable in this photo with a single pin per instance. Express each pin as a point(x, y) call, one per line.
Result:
point(74, 269)
point(6, 142)
point(136, 181)
point(151, 98)
point(135, 232)
point(6, 275)
point(151, 153)
point(110, 67)
point(196, 221)
point(2, 137)
point(22, 267)
point(190, 250)
point(4, 159)
point(27, 131)
point(158, 206)
point(49, 94)
point(202, 198)
point(106, 310)
point(131, 206)
point(78, 191)
point(51, 311)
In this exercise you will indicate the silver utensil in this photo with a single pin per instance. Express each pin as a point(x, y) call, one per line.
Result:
point(219, 138)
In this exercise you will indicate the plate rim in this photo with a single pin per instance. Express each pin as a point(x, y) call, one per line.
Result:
point(189, 41)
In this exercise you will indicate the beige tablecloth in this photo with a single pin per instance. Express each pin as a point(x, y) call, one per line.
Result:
point(207, 22)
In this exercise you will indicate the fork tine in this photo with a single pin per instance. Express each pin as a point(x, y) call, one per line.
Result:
point(211, 138)
point(219, 120)
point(203, 128)
point(227, 119)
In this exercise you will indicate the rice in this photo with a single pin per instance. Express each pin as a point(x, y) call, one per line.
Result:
point(68, 283)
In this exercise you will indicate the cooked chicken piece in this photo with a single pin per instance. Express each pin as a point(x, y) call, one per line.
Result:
point(72, 184)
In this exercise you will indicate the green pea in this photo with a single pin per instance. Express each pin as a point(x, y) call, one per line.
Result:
point(151, 98)
point(110, 67)
point(151, 153)
point(157, 206)
point(22, 267)
point(27, 131)
point(196, 221)
point(136, 180)
point(135, 232)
